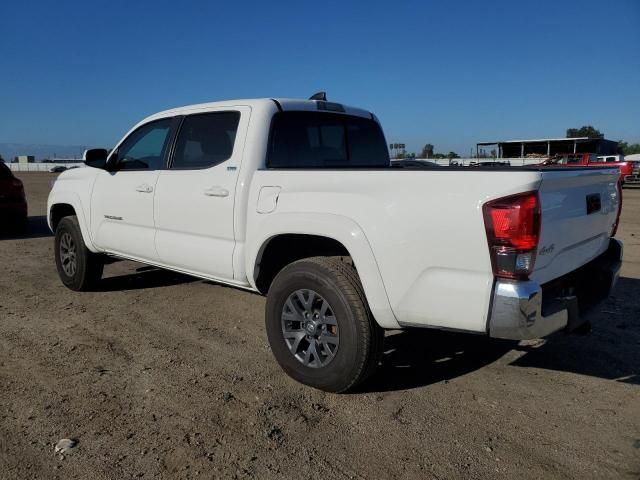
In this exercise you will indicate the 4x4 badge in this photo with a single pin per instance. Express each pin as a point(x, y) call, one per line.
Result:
point(546, 249)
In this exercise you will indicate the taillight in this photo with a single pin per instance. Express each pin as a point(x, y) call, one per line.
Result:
point(513, 230)
point(615, 225)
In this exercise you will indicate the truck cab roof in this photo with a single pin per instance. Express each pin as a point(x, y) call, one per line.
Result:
point(282, 104)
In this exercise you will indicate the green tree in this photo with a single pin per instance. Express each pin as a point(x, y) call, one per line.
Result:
point(451, 155)
point(584, 131)
point(628, 148)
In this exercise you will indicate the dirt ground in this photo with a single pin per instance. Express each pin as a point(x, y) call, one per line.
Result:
point(158, 375)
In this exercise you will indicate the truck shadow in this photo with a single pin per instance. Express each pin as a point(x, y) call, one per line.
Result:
point(420, 357)
point(611, 351)
point(37, 228)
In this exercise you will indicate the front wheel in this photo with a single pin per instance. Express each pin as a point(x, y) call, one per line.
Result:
point(78, 267)
point(319, 325)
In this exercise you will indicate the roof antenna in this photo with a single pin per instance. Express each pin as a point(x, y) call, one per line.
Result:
point(319, 96)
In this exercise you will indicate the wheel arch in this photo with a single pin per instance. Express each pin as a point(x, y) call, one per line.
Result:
point(281, 250)
point(57, 212)
point(283, 241)
point(65, 205)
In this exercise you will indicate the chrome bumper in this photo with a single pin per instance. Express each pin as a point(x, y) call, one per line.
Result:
point(634, 178)
point(523, 310)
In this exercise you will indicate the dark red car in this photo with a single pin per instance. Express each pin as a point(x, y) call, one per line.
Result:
point(592, 160)
point(13, 203)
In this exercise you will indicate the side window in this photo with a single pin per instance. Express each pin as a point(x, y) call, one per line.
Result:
point(145, 148)
point(205, 140)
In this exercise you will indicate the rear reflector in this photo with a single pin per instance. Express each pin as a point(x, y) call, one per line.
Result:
point(513, 229)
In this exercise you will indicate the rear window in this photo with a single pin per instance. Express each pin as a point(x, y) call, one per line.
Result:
point(325, 140)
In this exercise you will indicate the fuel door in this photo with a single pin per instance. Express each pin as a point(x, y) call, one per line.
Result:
point(268, 199)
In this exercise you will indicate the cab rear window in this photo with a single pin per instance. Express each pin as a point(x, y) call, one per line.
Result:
point(325, 140)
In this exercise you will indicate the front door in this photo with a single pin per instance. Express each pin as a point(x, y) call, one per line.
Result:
point(195, 196)
point(122, 196)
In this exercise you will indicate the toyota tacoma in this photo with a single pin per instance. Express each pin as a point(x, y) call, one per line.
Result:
point(297, 200)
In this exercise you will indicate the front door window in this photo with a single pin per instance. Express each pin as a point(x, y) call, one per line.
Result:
point(145, 148)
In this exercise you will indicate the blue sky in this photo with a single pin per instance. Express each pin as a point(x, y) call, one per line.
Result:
point(448, 73)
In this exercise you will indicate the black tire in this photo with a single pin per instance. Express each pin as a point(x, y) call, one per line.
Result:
point(88, 265)
point(360, 338)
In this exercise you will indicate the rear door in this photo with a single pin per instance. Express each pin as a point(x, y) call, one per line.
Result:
point(122, 198)
point(579, 210)
point(195, 196)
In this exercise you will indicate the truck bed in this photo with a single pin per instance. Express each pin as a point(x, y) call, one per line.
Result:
point(426, 230)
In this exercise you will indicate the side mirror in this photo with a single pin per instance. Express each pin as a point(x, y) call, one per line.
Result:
point(96, 157)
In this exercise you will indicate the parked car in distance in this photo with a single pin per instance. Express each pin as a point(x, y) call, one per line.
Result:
point(58, 169)
point(13, 202)
point(592, 160)
point(634, 177)
point(610, 158)
point(413, 163)
point(491, 164)
point(298, 200)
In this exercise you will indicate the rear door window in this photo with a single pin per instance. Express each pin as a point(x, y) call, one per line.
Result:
point(325, 140)
point(205, 140)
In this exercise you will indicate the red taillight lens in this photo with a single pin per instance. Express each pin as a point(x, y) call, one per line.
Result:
point(513, 230)
point(614, 230)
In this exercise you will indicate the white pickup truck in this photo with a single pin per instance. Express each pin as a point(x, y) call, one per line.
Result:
point(297, 200)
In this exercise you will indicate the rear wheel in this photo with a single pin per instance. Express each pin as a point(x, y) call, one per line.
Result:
point(78, 267)
point(319, 326)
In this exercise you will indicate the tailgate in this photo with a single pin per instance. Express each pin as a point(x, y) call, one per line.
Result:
point(579, 209)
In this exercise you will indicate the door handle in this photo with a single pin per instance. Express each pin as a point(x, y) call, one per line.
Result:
point(216, 192)
point(144, 188)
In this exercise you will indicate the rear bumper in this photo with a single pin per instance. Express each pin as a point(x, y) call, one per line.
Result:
point(523, 310)
point(634, 178)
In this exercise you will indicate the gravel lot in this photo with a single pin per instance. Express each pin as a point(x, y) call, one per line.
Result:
point(159, 375)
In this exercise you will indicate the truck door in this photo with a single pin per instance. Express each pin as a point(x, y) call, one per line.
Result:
point(195, 196)
point(122, 196)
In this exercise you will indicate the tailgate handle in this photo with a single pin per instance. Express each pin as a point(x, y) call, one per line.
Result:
point(593, 203)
